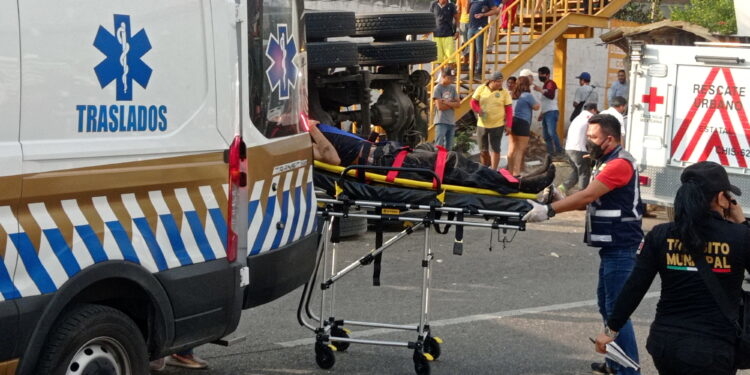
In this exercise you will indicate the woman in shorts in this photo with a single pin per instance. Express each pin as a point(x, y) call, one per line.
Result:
point(521, 129)
point(493, 107)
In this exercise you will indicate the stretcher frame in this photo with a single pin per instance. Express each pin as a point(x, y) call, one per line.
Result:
point(330, 334)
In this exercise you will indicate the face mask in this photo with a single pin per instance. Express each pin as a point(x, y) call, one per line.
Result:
point(595, 151)
point(543, 79)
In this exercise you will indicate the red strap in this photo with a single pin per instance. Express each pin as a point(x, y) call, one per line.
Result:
point(507, 175)
point(440, 159)
point(397, 163)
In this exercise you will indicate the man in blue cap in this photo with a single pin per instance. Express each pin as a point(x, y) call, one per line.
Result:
point(584, 94)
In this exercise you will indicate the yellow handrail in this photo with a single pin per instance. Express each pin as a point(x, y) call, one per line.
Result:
point(529, 29)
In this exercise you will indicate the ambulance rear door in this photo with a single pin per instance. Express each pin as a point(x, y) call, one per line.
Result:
point(689, 106)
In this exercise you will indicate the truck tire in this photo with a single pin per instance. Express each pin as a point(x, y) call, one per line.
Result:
point(322, 55)
point(391, 25)
point(321, 25)
point(94, 339)
point(396, 53)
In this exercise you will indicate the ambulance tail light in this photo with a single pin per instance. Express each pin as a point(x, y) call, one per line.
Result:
point(644, 180)
point(236, 158)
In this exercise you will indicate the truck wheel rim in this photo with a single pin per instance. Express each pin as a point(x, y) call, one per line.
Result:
point(100, 355)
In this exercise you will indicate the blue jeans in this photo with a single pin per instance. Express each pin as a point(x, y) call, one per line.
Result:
point(478, 47)
point(614, 269)
point(549, 130)
point(444, 135)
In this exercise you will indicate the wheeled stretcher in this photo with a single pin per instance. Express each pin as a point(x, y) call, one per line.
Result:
point(428, 205)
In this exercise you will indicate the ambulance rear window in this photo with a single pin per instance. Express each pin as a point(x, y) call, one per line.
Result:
point(277, 68)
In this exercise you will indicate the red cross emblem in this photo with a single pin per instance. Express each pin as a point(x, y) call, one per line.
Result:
point(652, 99)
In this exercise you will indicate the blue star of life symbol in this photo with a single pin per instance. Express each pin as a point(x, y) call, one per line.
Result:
point(123, 63)
point(282, 73)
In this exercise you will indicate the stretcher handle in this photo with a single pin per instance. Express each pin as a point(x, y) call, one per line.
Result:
point(365, 168)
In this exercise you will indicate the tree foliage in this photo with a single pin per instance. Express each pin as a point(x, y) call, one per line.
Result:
point(715, 15)
point(641, 11)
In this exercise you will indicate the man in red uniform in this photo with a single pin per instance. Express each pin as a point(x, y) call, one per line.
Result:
point(613, 223)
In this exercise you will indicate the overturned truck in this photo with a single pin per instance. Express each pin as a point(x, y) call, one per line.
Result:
point(363, 68)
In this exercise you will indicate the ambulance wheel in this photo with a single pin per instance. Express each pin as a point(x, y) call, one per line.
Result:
point(432, 346)
point(337, 331)
point(326, 24)
point(392, 26)
point(324, 356)
point(421, 364)
point(353, 226)
point(396, 53)
point(323, 55)
point(94, 339)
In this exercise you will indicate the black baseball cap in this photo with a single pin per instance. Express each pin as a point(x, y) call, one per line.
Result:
point(710, 176)
point(450, 72)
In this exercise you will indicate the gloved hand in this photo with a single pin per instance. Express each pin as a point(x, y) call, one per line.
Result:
point(538, 212)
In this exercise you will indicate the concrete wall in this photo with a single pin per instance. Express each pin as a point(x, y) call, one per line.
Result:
point(584, 55)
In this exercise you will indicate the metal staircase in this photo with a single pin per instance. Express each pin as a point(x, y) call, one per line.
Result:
point(527, 32)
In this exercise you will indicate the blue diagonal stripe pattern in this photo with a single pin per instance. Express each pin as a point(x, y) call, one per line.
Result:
point(297, 214)
point(175, 239)
point(310, 208)
point(92, 243)
point(220, 224)
point(62, 250)
point(267, 217)
point(151, 243)
point(7, 288)
point(123, 241)
point(200, 235)
point(284, 214)
point(32, 263)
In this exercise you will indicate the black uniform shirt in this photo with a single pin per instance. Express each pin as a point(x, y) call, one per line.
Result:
point(444, 18)
point(686, 305)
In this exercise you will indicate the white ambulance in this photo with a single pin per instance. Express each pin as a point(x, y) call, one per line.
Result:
point(689, 104)
point(134, 220)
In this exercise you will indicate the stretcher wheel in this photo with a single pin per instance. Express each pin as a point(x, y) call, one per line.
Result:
point(337, 331)
point(421, 363)
point(324, 355)
point(432, 346)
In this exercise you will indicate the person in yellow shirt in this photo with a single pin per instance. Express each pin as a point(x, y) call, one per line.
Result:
point(494, 109)
point(463, 26)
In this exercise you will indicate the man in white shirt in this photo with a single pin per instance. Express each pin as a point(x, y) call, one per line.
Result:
point(575, 148)
point(617, 108)
point(619, 88)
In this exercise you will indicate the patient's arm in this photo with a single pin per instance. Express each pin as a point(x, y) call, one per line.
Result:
point(323, 150)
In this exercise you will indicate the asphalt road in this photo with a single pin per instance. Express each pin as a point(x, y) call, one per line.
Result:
point(526, 309)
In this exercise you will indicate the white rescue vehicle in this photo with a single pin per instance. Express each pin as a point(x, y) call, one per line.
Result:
point(689, 104)
point(156, 176)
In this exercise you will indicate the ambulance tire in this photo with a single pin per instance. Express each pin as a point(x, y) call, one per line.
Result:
point(96, 338)
point(324, 55)
point(393, 26)
point(326, 24)
point(396, 53)
point(353, 226)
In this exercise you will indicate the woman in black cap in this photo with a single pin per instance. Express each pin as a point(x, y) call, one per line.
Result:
point(690, 335)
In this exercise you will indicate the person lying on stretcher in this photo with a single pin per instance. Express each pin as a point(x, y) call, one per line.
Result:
point(337, 147)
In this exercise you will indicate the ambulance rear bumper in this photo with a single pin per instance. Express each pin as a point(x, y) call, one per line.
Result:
point(280, 271)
